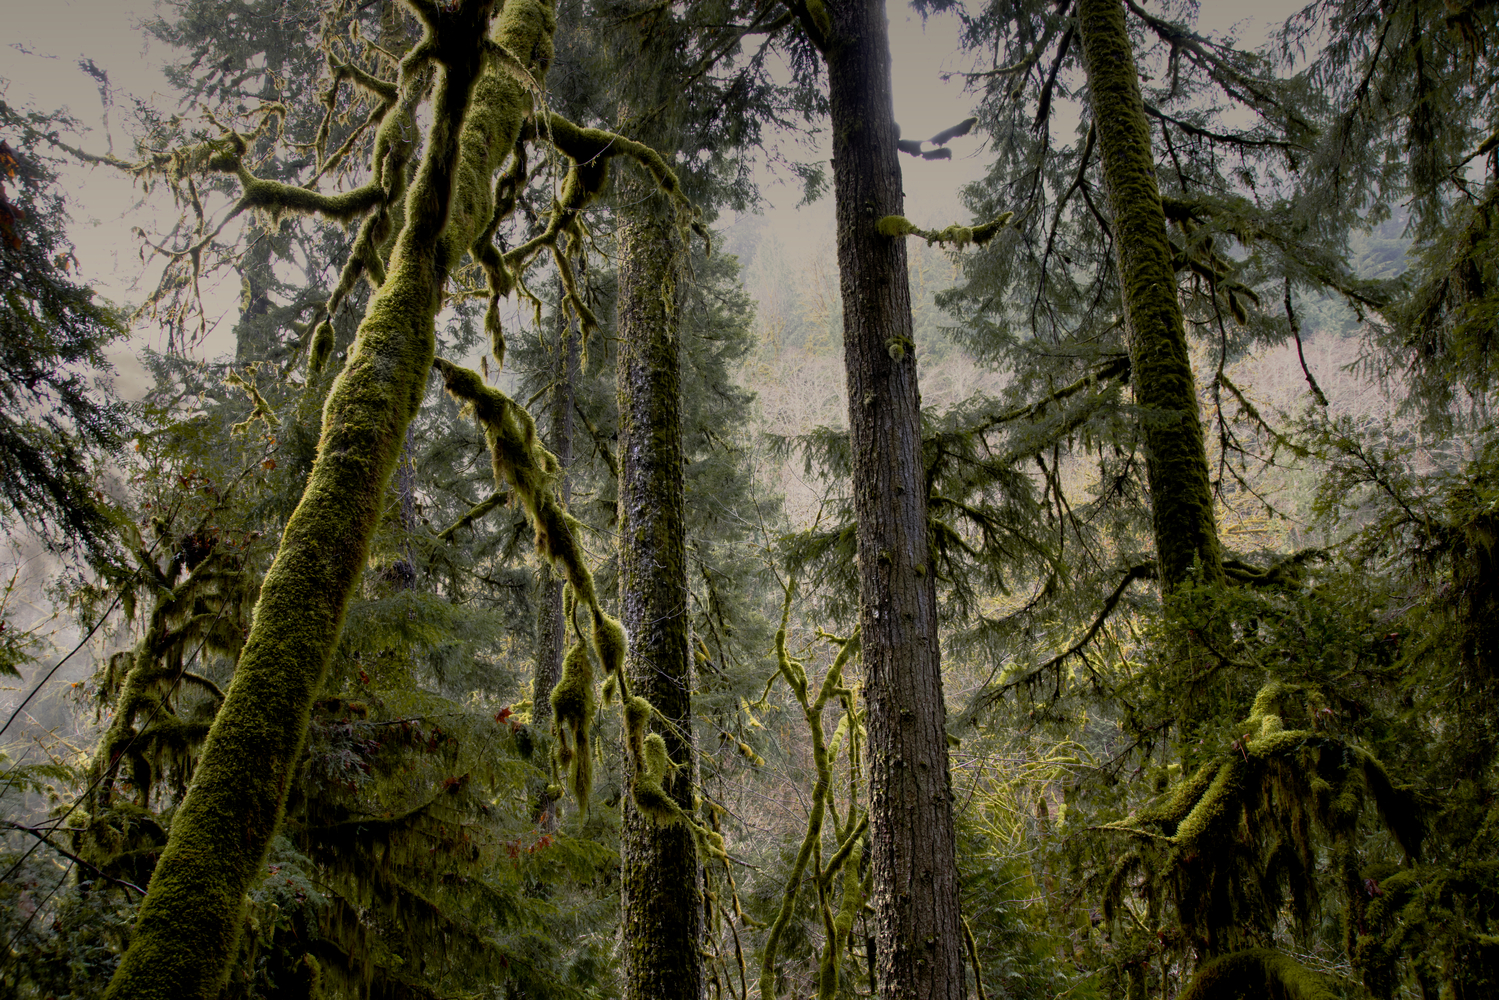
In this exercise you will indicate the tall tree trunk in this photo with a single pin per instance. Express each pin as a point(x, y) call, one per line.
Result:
point(1175, 457)
point(661, 897)
point(915, 870)
point(1475, 581)
point(661, 892)
point(551, 631)
point(188, 929)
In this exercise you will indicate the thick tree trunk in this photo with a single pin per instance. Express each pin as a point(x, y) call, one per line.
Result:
point(1175, 457)
point(661, 896)
point(189, 924)
point(915, 870)
point(551, 632)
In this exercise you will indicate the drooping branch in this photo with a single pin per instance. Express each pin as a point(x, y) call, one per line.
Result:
point(520, 459)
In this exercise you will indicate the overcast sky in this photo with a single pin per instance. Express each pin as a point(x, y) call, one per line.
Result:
point(47, 39)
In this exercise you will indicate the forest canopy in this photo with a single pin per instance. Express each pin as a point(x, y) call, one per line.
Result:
point(543, 582)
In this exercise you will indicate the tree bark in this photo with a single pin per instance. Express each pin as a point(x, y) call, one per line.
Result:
point(662, 904)
point(1160, 368)
point(661, 882)
point(188, 929)
point(913, 852)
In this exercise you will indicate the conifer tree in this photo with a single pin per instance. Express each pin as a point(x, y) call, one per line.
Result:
point(53, 426)
point(913, 846)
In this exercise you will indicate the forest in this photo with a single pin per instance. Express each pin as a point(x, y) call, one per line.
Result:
point(551, 593)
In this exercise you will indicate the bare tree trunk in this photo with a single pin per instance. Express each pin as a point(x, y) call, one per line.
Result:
point(1175, 456)
point(915, 869)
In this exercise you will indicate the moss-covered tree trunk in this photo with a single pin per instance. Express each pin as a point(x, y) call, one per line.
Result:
point(913, 854)
point(661, 897)
point(1475, 580)
point(661, 884)
point(1175, 456)
point(189, 924)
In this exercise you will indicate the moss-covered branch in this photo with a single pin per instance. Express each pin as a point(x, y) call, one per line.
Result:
point(896, 226)
point(520, 459)
point(478, 510)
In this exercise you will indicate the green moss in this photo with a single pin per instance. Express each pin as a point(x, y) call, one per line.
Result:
point(638, 713)
point(819, 14)
point(278, 200)
point(649, 791)
point(895, 226)
point(609, 640)
point(322, 348)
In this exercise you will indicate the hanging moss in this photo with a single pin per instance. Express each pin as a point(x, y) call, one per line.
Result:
point(520, 459)
point(573, 708)
point(650, 795)
point(322, 348)
point(1285, 785)
point(637, 713)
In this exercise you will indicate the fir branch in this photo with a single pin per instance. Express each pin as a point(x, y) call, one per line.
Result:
point(42, 835)
point(1144, 571)
point(475, 512)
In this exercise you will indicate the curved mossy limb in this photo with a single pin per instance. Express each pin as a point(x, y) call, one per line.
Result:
point(838, 926)
point(850, 839)
point(1257, 973)
point(1303, 792)
point(1186, 535)
point(190, 922)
